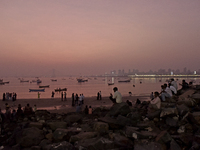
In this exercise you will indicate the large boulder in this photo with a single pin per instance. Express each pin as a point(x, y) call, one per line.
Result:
point(119, 109)
point(70, 119)
point(113, 123)
point(59, 146)
point(58, 124)
point(148, 146)
point(98, 143)
point(101, 127)
point(30, 137)
point(82, 135)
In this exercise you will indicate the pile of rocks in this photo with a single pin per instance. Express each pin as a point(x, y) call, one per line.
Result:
point(175, 126)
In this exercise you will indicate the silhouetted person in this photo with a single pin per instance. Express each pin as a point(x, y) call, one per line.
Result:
point(73, 102)
point(65, 96)
point(52, 94)
point(76, 100)
point(62, 96)
point(86, 110)
point(98, 96)
point(4, 96)
point(129, 103)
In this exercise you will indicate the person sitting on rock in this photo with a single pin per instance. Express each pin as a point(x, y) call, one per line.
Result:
point(78, 108)
point(166, 92)
point(129, 103)
point(90, 110)
point(20, 112)
point(155, 104)
point(28, 110)
point(117, 97)
point(86, 110)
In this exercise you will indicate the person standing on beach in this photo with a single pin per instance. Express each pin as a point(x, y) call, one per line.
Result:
point(73, 102)
point(100, 95)
point(52, 94)
point(38, 95)
point(4, 96)
point(83, 98)
point(80, 99)
point(76, 100)
point(117, 97)
point(65, 96)
point(61, 96)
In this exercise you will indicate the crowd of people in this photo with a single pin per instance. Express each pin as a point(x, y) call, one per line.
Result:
point(12, 115)
point(9, 96)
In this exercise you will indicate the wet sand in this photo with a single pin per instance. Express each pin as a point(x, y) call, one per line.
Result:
point(55, 105)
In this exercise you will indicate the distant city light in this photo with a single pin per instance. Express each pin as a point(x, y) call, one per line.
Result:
point(195, 72)
point(172, 73)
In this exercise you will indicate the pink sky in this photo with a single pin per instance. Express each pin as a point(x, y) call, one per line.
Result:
point(85, 37)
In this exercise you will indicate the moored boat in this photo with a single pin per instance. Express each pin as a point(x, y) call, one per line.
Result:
point(124, 80)
point(44, 86)
point(59, 89)
point(36, 90)
point(53, 80)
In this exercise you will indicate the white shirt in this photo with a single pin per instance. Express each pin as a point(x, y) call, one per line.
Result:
point(156, 101)
point(80, 98)
point(174, 84)
point(173, 89)
point(117, 95)
point(168, 90)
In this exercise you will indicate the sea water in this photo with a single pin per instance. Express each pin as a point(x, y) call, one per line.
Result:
point(137, 86)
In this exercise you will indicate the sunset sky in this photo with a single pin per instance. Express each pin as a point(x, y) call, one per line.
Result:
point(88, 37)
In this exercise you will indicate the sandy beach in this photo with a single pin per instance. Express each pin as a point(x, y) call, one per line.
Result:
point(55, 105)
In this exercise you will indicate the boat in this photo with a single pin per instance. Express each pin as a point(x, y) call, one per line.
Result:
point(53, 80)
point(59, 89)
point(82, 80)
point(24, 81)
point(44, 86)
point(39, 81)
point(110, 83)
point(124, 80)
point(36, 90)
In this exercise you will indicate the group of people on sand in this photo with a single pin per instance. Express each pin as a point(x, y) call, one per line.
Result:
point(99, 95)
point(9, 96)
point(77, 100)
point(12, 115)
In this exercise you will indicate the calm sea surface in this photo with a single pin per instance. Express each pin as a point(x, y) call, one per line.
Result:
point(143, 86)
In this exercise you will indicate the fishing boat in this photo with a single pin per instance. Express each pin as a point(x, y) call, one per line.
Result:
point(44, 86)
point(82, 80)
point(124, 80)
point(59, 89)
point(24, 81)
point(36, 90)
point(39, 81)
point(110, 83)
point(54, 80)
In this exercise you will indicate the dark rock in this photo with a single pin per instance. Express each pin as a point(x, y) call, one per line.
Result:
point(164, 137)
point(113, 123)
point(36, 124)
point(122, 141)
point(119, 109)
point(30, 137)
point(155, 114)
point(59, 146)
point(70, 119)
point(58, 124)
point(99, 143)
point(182, 109)
point(126, 121)
point(44, 143)
point(174, 146)
point(101, 127)
point(82, 135)
point(168, 112)
point(35, 148)
point(148, 146)
point(171, 122)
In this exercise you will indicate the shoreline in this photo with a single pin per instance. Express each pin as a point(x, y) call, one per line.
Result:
point(55, 105)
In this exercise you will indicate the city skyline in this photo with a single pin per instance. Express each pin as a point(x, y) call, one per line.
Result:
point(93, 37)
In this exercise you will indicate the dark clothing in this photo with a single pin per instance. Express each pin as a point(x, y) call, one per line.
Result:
point(112, 99)
point(86, 110)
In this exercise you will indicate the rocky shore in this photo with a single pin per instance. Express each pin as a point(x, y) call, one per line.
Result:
point(119, 127)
